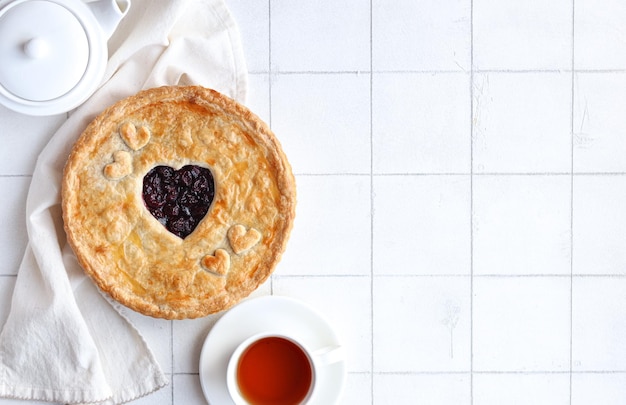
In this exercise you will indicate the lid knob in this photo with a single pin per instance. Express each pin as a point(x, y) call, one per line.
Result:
point(36, 48)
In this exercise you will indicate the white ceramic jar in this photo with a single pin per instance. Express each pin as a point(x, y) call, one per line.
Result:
point(53, 53)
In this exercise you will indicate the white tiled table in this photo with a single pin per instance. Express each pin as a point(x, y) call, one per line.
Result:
point(461, 170)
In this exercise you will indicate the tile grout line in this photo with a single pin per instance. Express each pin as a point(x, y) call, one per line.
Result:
point(269, 86)
point(371, 174)
point(500, 372)
point(16, 176)
point(269, 58)
point(567, 173)
point(172, 361)
point(429, 72)
point(571, 278)
point(440, 275)
point(471, 221)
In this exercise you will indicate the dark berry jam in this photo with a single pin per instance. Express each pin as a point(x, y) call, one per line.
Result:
point(179, 199)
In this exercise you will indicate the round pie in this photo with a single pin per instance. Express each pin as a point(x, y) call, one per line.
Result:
point(178, 201)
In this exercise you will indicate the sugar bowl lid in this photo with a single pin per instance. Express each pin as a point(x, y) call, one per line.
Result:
point(53, 55)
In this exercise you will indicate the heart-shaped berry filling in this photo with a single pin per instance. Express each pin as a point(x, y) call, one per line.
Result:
point(179, 199)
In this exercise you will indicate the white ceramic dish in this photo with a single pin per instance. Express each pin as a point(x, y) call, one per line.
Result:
point(54, 52)
point(270, 313)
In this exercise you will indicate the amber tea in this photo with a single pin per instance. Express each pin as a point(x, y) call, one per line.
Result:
point(274, 370)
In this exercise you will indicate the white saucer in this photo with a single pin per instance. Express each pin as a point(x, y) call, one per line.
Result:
point(269, 313)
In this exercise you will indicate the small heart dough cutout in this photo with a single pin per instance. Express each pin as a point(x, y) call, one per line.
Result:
point(241, 239)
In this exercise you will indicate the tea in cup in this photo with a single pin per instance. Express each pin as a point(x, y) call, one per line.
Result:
point(276, 369)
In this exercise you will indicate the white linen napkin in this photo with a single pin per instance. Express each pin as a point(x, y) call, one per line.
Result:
point(63, 340)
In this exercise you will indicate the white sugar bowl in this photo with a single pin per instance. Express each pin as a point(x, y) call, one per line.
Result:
point(53, 53)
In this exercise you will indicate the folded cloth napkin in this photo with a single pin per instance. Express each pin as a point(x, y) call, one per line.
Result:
point(63, 340)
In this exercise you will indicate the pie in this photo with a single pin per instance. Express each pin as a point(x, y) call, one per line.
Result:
point(178, 201)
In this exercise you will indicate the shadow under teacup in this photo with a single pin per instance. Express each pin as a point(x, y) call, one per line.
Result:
point(273, 368)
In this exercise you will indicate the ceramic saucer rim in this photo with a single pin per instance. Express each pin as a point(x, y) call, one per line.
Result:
point(213, 370)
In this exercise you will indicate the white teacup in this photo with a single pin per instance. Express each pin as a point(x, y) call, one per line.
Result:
point(277, 368)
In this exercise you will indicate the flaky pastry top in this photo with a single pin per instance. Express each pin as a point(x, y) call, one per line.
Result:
point(126, 250)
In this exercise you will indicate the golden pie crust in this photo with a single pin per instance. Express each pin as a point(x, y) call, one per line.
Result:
point(127, 252)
